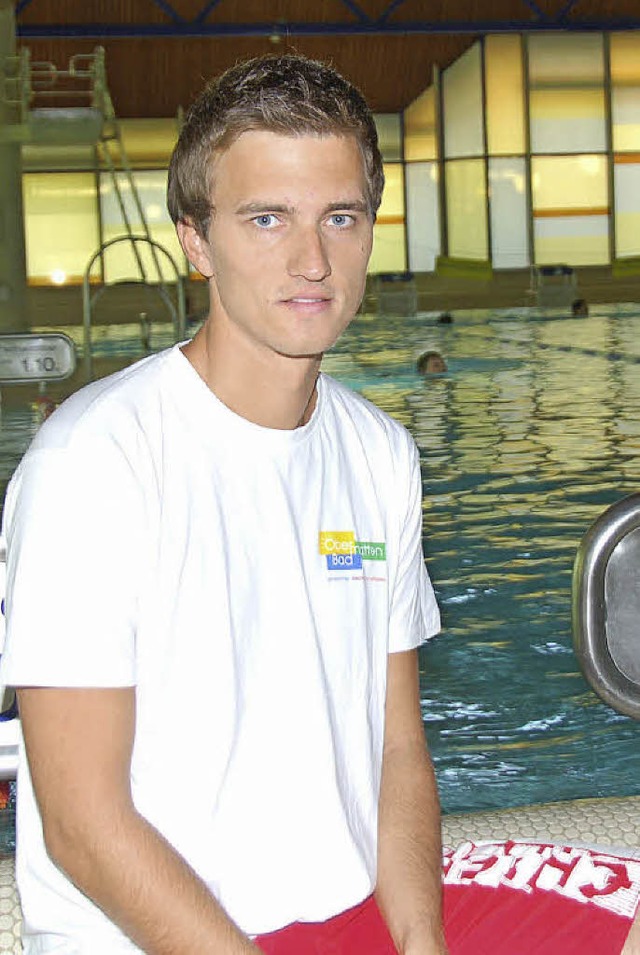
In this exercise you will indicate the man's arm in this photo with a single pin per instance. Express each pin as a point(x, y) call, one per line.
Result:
point(409, 886)
point(79, 744)
point(632, 944)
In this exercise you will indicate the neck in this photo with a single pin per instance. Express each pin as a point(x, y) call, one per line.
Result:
point(274, 391)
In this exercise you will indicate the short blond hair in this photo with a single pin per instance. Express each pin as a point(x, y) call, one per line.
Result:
point(289, 95)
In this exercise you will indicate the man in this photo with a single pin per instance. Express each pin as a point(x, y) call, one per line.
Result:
point(216, 586)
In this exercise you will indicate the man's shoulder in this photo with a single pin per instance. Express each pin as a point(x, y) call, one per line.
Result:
point(364, 414)
point(101, 441)
point(106, 408)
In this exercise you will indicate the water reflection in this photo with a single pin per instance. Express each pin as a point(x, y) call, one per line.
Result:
point(531, 433)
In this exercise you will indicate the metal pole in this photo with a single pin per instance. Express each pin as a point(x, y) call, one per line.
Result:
point(611, 158)
point(485, 150)
point(526, 89)
point(405, 194)
point(13, 268)
point(442, 177)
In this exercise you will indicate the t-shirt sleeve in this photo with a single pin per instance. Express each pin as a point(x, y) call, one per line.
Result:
point(76, 557)
point(414, 614)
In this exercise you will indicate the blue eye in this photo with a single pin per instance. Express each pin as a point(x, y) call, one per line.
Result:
point(341, 219)
point(265, 221)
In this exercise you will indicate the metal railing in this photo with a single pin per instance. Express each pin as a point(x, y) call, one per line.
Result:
point(34, 92)
point(177, 310)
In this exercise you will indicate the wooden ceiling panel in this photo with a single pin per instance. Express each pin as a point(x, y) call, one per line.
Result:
point(59, 12)
point(283, 11)
point(605, 9)
point(224, 11)
point(97, 11)
point(152, 76)
point(438, 11)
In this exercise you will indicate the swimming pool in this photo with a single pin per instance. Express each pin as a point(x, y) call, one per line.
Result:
point(534, 429)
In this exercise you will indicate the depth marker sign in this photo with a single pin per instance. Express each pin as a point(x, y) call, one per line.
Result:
point(47, 357)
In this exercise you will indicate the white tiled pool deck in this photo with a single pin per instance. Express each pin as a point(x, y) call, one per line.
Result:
point(607, 823)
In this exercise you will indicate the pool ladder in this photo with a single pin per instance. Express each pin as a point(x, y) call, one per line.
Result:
point(45, 104)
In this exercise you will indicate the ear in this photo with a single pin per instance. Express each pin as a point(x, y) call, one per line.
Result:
point(196, 249)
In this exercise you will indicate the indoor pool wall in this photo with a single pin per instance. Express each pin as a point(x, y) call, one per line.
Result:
point(533, 430)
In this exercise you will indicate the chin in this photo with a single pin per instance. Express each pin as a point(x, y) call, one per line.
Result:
point(311, 342)
point(309, 353)
point(311, 348)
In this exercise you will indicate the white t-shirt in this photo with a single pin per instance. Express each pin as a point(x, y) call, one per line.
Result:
point(250, 583)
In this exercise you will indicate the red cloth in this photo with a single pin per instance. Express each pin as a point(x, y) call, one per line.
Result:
point(358, 931)
point(515, 898)
point(500, 898)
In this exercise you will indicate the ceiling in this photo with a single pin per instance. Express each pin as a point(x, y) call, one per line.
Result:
point(160, 52)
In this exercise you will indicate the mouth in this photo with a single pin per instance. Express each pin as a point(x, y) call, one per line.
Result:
point(307, 303)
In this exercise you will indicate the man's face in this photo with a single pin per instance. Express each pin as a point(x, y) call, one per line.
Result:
point(436, 364)
point(289, 240)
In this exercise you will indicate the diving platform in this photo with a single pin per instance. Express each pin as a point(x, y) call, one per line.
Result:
point(60, 126)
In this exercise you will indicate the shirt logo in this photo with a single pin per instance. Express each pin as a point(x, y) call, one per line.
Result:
point(344, 552)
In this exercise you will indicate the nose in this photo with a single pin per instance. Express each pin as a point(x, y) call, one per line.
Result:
point(308, 257)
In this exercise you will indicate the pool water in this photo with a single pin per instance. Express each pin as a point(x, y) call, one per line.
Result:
point(529, 435)
point(533, 431)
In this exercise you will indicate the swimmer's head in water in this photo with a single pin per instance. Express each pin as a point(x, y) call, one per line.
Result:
point(579, 307)
point(431, 363)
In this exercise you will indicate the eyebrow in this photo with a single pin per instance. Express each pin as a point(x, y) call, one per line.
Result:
point(353, 205)
point(257, 208)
